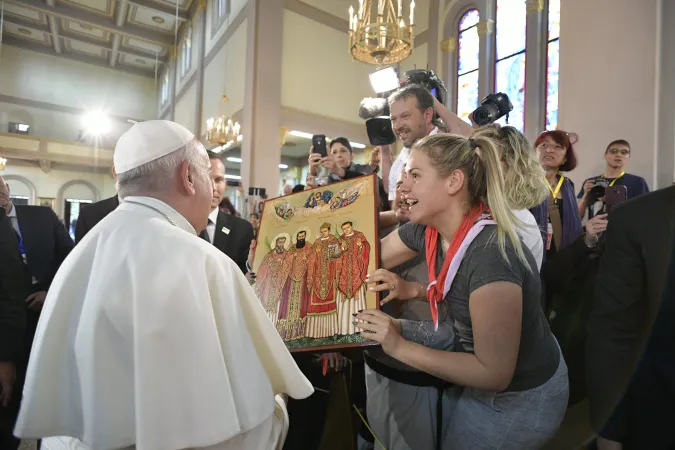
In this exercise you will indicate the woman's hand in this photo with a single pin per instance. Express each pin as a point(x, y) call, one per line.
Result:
point(329, 164)
point(314, 162)
point(381, 328)
point(310, 182)
point(594, 228)
point(587, 187)
point(384, 280)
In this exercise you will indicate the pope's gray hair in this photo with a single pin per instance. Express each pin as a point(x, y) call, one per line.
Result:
point(158, 175)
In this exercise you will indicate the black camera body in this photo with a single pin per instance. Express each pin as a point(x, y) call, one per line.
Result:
point(598, 190)
point(376, 110)
point(492, 108)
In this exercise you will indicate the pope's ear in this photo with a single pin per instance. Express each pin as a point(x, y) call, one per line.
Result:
point(186, 178)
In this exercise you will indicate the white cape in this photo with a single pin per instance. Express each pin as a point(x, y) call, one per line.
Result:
point(152, 337)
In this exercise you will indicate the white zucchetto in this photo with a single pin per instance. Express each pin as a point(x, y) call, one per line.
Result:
point(148, 141)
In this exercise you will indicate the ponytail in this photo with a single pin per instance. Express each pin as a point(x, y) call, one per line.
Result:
point(492, 181)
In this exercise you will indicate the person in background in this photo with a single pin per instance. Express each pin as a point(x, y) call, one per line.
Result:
point(230, 234)
point(510, 375)
point(156, 344)
point(93, 213)
point(227, 207)
point(630, 386)
point(14, 283)
point(298, 188)
point(288, 189)
point(617, 155)
point(524, 184)
point(339, 161)
point(571, 258)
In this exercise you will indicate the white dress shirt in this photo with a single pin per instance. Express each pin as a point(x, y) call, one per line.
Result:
point(529, 232)
point(398, 165)
point(211, 227)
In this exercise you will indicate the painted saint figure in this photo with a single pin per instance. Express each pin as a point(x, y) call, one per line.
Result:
point(351, 286)
point(272, 276)
point(323, 268)
point(293, 310)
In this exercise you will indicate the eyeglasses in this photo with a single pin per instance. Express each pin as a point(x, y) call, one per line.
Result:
point(545, 147)
point(622, 151)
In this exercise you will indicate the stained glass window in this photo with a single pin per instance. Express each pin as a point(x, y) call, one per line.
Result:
point(467, 64)
point(553, 64)
point(510, 64)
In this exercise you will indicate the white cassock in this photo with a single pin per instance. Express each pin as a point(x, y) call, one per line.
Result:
point(151, 338)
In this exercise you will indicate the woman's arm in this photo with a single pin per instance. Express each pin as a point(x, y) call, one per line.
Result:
point(451, 120)
point(496, 314)
point(394, 251)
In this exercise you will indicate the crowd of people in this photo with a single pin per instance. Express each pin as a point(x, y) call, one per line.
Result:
point(506, 297)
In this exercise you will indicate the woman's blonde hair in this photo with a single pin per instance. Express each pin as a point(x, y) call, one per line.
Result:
point(479, 159)
point(525, 184)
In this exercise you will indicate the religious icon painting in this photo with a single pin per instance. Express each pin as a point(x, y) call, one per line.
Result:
point(314, 251)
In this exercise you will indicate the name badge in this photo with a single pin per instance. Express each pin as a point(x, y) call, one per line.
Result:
point(225, 230)
point(549, 236)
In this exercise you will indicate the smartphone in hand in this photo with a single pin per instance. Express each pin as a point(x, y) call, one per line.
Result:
point(319, 144)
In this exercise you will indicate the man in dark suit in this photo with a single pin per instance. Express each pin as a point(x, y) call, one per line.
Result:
point(230, 234)
point(623, 395)
point(93, 214)
point(36, 237)
point(14, 280)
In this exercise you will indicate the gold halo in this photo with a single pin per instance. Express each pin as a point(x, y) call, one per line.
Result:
point(294, 238)
point(273, 243)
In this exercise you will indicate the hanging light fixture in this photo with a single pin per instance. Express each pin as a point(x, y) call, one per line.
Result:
point(378, 33)
point(223, 131)
point(3, 163)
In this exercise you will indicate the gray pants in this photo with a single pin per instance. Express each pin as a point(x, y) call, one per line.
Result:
point(523, 420)
point(403, 417)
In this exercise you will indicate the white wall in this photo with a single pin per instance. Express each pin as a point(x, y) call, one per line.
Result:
point(665, 167)
point(57, 81)
point(48, 184)
point(418, 59)
point(226, 75)
point(185, 109)
point(318, 74)
point(608, 79)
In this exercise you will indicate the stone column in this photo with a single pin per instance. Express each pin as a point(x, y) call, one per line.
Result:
point(200, 20)
point(536, 68)
point(261, 150)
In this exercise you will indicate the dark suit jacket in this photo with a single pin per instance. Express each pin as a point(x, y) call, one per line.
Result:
point(45, 240)
point(237, 242)
point(628, 295)
point(93, 214)
point(14, 289)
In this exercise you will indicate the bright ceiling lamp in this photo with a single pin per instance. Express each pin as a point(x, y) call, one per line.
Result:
point(233, 159)
point(96, 123)
point(301, 134)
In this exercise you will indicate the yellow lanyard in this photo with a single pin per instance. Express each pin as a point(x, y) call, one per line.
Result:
point(557, 188)
point(614, 180)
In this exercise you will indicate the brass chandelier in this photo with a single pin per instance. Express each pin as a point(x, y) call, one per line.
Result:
point(378, 33)
point(222, 131)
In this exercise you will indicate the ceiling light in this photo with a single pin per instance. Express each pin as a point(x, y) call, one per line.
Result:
point(24, 31)
point(232, 177)
point(85, 26)
point(96, 123)
point(233, 159)
point(357, 145)
point(301, 134)
point(157, 19)
point(140, 61)
point(384, 80)
point(283, 166)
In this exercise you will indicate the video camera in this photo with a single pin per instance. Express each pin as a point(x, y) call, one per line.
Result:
point(384, 82)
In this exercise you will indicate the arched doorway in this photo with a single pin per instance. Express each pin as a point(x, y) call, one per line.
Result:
point(70, 198)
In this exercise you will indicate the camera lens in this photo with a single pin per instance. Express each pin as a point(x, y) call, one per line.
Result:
point(485, 114)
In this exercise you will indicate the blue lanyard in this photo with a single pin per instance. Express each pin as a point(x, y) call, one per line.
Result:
point(20, 236)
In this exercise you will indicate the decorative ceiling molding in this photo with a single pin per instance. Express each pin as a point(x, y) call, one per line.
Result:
point(44, 49)
point(95, 20)
point(168, 10)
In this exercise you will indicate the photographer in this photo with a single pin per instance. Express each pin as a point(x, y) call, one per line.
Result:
point(339, 162)
point(591, 196)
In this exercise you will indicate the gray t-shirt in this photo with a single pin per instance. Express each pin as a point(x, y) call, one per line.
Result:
point(483, 263)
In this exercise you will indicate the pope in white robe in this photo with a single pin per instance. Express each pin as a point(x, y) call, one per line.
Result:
point(151, 338)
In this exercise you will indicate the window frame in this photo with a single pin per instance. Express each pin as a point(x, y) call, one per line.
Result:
point(549, 41)
point(186, 52)
point(218, 19)
point(509, 56)
point(458, 75)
